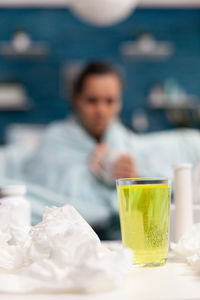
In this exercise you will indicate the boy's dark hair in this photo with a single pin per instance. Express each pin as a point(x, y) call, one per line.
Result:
point(93, 68)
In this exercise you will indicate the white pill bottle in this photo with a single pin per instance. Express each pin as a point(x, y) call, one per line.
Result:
point(13, 197)
point(183, 199)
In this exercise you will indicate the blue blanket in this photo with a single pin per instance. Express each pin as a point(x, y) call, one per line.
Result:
point(57, 171)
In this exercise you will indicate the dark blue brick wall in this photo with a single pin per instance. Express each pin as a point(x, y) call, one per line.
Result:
point(70, 39)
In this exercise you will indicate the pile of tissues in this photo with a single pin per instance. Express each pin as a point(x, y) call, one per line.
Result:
point(188, 248)
point(60, 254)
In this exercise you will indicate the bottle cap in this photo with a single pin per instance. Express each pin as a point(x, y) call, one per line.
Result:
point(182, 166)
point(12, 190)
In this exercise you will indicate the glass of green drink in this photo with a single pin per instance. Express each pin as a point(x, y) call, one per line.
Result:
point(144, 206)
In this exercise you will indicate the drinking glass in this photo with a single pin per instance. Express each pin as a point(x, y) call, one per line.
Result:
point(144, 207)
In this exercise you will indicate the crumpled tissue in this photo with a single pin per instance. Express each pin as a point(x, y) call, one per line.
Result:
point(60, 254)
point(188, 248)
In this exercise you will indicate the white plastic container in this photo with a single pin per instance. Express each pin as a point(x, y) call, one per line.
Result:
point(196, 184)
point(13, 196)
point(183, 199)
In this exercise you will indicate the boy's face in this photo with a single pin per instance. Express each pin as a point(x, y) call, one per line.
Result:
point(99, 102)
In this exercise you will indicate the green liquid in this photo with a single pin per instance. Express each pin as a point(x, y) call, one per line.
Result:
point(144, 218)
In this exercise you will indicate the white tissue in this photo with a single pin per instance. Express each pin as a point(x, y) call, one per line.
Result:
point(188, 247)
point(62, 253)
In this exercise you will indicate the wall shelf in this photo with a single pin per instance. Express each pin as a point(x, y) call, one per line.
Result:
point(23, 105)
point(15, 108)
point(35, 50)
point(180, 114)
point(146, 47)
point(176, 106)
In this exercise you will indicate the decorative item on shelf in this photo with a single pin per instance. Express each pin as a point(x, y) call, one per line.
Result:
point(22, 45)
point(21, 41)
point(69, 72)
point(140, 122)
point(13, 97)
point(170, 95)
point(181, 108)
point(146, 47)
point(104, 12)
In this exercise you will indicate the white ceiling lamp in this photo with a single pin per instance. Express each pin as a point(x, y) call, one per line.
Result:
point(102, 12)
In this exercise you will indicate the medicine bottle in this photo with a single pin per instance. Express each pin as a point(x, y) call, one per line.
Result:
point(13, 196)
